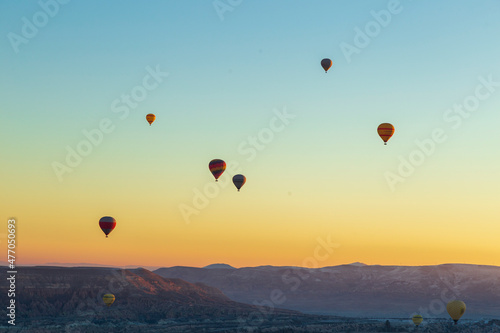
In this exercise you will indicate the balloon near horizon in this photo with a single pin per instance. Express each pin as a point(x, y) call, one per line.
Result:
point(455, 309)
point(107, 224)
point(417, 319)
point(108, 299)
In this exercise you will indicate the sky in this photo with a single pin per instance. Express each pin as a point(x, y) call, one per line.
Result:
point(241, 81)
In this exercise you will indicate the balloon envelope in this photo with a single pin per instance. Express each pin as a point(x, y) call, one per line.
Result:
point(239, 181)
point(455, 309)
point(107, 224)
point(385, 131)
point(108, 299)
point(417, 319)
point(150, 118)
point(217, 167)
point(326, 64)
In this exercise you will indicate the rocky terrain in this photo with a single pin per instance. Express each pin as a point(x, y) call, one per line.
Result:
point(60, 299)
point(69, 295)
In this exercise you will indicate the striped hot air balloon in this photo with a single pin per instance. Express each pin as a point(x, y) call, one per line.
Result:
point(217, 167)
point(385, 131)
point(108, 299)
point(417, 319)
point(239, 181)
point(107, 224)
point(150, 118)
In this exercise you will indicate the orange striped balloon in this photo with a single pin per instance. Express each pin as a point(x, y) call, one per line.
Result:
point(385, 131)
point(217, 167)
point(150, 118)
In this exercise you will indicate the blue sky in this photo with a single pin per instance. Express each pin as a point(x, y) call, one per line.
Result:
point(225, 78)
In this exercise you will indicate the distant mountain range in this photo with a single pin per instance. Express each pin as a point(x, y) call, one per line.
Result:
point(356, 290)
point(82, 264)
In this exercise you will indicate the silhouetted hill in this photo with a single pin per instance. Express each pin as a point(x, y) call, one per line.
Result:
point(357, 263)
point(220, 266)
point(358, 289)
point(65, 294)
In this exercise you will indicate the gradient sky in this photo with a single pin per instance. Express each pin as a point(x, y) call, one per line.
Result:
point(322, 176)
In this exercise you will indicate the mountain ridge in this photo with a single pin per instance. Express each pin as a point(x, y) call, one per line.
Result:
point(354, 290)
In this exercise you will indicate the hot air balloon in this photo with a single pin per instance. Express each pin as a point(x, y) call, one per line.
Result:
point(217, 167)
point(417, 319)
point(150, 118)
point(107, 224)
point(455, 309)
point(108, 299)
point(385, 131)
point(239, 181)
point(326, 64)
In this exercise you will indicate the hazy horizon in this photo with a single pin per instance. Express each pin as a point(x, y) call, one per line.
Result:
point(70, 264)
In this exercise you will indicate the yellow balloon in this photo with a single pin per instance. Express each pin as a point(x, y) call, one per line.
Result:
point(417, 319)
point(455, 309)
point(108, 299)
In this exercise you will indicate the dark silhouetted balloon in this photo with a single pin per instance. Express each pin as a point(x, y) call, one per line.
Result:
point(239, 181)
point(326, 64)
point(107, 224)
